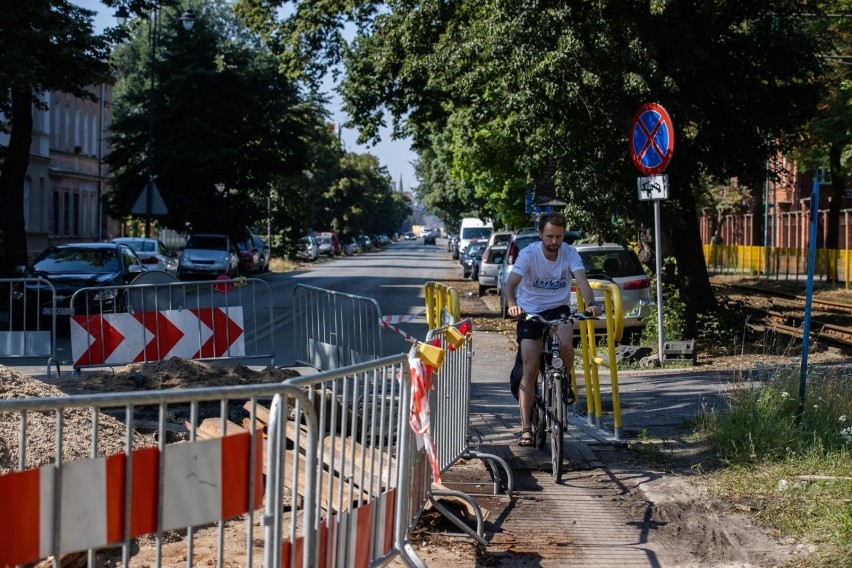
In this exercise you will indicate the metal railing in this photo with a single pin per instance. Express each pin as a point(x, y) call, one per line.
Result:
point(28, 320)
point(55, 504)
point(332, 329)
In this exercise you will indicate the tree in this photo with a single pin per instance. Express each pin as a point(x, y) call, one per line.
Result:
point(47, 45)
point(361, 199)
point(541, 93)
point(828, 138)
point(228, 130)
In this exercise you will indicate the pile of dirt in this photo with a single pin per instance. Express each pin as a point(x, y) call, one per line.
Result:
point(174, 373)
point(41, 427)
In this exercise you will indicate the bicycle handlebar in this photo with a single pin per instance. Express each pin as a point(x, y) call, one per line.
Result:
point(574, 316)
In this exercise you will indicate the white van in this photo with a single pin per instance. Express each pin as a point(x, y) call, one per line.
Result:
point(473, 228)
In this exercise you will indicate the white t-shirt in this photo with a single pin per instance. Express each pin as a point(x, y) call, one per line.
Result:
point(545, 283)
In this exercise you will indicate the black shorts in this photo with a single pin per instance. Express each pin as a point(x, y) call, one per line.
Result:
point(535, 329)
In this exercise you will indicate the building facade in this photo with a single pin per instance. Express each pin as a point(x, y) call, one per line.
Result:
point(67, 179)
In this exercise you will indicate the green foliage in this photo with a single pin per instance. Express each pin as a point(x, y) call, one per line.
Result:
point(766, 421)
point(500, 98)
point(771, 442)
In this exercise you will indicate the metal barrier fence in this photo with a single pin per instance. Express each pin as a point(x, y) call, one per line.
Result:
point(141, 323)
point(60, 506)
point(450, 419)
point(364, 462)
point(28, 320)
point(332, 329)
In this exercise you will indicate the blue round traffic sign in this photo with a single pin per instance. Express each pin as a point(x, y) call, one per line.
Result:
point(651, 139)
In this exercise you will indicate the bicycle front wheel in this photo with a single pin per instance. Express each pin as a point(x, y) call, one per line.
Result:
point(557, 425)
point(539, 417)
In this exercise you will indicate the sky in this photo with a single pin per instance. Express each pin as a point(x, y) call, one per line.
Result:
point(395, 155)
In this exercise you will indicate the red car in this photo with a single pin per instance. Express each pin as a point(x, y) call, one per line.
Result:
point(250, 259)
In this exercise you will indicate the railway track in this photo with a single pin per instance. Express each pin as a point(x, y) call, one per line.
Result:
point(831, 322)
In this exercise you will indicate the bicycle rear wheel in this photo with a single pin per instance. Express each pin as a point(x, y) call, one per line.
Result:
point(557, 425)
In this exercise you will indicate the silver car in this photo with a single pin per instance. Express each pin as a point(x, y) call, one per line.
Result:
point(489, 267)
point(207, 256)
point(611, 262)
point(153, 253)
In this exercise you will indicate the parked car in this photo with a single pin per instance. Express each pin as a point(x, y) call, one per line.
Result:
point(69, 268)
point(307, 248)
point(365, 242)
point(264, 251)
point(209, 255)
point(489, 267)
point(350, 245)
point(473, 228)
point(329, 243)
point(153, 253)
point(249, 257)
point(500, 238)
point(613, 263)
point(409, 236)
point(471, 258)
point(452, 242)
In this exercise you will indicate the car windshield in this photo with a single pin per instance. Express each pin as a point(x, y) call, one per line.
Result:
point(475, 249)
point(613, 263)
point(476, 233)
point(96, 260)
point(140, 246)
point(207, 242)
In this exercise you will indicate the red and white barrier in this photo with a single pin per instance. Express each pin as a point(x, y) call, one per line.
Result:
point(205, 333)
point(203, 481)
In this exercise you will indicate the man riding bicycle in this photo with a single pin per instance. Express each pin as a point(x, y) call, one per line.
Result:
point(540, 283)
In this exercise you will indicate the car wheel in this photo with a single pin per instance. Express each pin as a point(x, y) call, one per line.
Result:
point(481, 290)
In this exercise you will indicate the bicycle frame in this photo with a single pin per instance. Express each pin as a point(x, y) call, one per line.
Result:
point(553, 392)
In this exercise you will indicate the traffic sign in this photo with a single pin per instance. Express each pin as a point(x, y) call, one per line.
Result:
point(653, 187)
point(156, 336)
point(651, 139)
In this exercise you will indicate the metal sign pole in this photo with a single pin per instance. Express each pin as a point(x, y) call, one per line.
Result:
point(658, 252)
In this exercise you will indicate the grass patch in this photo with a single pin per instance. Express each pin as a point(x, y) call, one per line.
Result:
point(789, 459)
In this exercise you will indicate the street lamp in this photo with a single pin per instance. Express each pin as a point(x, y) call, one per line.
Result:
point(150, 202)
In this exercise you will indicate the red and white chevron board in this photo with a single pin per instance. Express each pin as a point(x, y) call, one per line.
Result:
point(203, 482)
point(118, 339)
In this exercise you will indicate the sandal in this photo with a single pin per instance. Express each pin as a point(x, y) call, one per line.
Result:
point(526, 438)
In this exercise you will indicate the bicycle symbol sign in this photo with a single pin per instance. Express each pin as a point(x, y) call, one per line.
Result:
point(651, 139)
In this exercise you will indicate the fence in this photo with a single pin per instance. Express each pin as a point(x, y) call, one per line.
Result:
point(363, 465)
point(332, 329)
point(54, 504)
point(141, 323)
point(831, 265)
point(450, 418)
point(28, 320)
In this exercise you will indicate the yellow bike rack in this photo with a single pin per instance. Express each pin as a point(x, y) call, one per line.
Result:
point(614, 317)
point(442, 305)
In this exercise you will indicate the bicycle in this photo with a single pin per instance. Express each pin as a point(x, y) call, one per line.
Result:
point(553, 391)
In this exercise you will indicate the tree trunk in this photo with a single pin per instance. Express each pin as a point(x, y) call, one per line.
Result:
point(13, 240)
point(838, 186)
point(685, 243)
